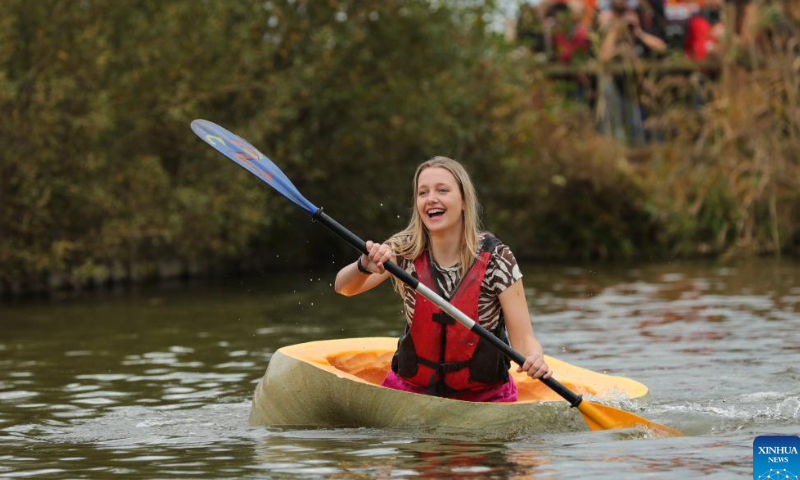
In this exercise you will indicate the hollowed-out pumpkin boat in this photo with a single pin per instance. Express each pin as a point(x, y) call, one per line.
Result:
point(336, 383)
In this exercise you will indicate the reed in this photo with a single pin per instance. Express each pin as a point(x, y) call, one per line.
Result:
point(725, 179)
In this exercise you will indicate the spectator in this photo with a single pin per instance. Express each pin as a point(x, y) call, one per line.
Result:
point(619, 110)
point(653, 16)
point(531, 29)
point(704, 31)
point(569, 37)
point(624, 36)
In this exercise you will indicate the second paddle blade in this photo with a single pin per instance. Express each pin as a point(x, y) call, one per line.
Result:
point(602, 417)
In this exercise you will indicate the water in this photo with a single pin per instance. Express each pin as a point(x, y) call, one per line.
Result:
point(156, 382)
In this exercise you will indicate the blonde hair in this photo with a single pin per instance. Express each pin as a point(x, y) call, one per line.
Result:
point(412, 241)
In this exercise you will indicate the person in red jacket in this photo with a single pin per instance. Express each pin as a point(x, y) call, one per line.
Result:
point(704, 31)
point(445, 249)
point(569, 37)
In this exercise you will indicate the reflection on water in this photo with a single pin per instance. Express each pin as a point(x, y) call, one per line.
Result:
point(155, 382)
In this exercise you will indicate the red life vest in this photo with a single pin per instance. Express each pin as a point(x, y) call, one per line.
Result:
point(440, 355)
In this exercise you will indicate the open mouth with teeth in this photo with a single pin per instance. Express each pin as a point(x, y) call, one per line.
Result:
point(435, 212)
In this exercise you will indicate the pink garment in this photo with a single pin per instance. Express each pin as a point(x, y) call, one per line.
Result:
point(504, 393)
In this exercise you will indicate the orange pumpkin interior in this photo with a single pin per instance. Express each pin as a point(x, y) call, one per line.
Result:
point(373, 365)
point(368, 360)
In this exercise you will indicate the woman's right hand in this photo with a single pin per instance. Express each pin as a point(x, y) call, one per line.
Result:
point(378, 254)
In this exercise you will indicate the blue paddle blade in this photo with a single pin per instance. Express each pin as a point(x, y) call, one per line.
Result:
point(242, 152)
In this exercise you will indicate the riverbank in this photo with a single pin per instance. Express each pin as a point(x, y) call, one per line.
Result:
point(101, 179)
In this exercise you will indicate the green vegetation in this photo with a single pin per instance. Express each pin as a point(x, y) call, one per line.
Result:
point(726, 178)
point(101, 178)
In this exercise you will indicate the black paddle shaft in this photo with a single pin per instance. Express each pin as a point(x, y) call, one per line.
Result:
point(412, 282)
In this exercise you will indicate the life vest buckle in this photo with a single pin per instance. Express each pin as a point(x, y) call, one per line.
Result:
point(452, 367)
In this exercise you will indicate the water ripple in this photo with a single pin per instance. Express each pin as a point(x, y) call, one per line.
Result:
point(716, 345)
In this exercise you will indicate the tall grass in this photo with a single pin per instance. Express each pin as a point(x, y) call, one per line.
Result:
point(726, 179)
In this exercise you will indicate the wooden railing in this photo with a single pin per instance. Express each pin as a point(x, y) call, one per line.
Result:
point(667, 66)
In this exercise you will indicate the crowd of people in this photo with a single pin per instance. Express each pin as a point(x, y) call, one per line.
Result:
point(562, 30)
point(570, 32)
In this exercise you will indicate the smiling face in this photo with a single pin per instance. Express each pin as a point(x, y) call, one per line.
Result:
point(439, 201)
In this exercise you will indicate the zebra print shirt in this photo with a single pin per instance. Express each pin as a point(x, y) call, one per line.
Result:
point(501, 273)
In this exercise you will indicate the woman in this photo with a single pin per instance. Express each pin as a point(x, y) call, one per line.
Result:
point(444, 248)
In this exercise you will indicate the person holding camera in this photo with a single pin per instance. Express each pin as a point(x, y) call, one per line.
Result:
point(624, 41)
point(623, 35)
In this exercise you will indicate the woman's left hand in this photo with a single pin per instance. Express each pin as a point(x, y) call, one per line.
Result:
point(535, 366)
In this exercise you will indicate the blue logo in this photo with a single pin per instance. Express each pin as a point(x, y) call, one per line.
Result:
point(776, 458)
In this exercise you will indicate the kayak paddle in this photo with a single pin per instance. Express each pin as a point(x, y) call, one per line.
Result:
point(597, 416)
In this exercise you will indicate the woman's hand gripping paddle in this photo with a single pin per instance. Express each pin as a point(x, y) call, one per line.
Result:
point(597, 416)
